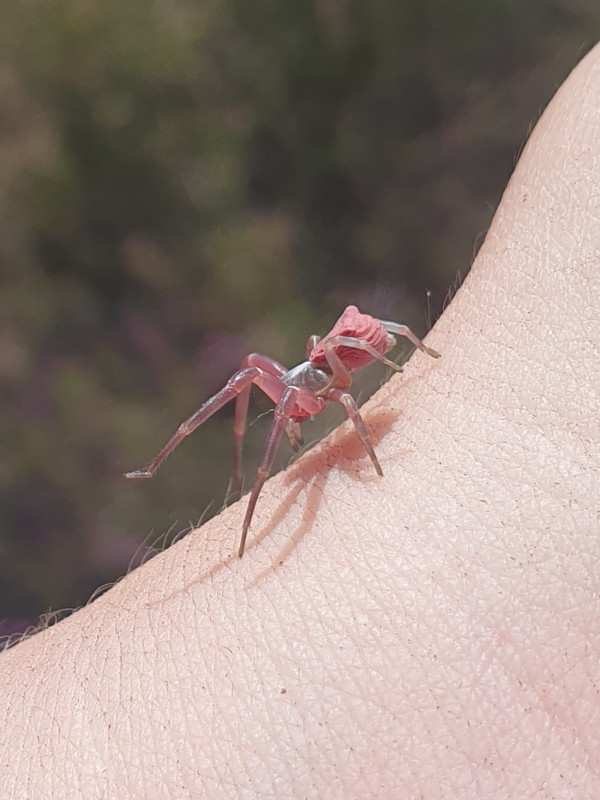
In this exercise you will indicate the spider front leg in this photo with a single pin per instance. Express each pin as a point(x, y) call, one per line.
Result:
point(239, 383)
point(352, 410)
point(293, 400)
point(281, 418)
point(241, 410)
point(405, 331)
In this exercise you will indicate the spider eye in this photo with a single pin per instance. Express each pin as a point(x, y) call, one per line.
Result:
point(390, 342)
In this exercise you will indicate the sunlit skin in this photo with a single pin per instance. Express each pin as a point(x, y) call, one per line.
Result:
point(436, 633)
point(299, 393)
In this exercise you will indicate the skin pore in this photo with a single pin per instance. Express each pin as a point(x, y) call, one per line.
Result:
point(433, 633)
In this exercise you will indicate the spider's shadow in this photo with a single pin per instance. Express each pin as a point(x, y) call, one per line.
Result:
point(346, 453)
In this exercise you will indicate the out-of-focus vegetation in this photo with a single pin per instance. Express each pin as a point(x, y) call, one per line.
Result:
point(184, 182)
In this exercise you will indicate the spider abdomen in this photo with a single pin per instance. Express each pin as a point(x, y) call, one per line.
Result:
point(357, 326)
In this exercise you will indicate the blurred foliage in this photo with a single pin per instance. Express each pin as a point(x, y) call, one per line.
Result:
point(184, 182)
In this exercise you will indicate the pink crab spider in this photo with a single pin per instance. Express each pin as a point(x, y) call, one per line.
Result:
point(354, 341)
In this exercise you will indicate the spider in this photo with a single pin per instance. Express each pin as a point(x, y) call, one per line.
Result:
point(354, 341)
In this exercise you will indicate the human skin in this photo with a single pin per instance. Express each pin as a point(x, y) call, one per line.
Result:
point(431, 634)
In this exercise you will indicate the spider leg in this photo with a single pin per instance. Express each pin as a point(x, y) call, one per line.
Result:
point(340, 374)
point(283, 412)
point(237, 384)
point(352, 410)
point(404, 330)
point(241, 410)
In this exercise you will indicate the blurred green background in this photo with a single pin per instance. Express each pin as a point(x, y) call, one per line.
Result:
point(182, 183)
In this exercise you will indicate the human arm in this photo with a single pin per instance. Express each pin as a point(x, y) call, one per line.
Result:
point(433, 633)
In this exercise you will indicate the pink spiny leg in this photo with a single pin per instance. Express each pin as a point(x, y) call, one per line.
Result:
point(341, 375)
point(352, 410)
point(241, 410)
point(292, 401)
point(283, 412)
point(270, 384)
point(404, 330)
